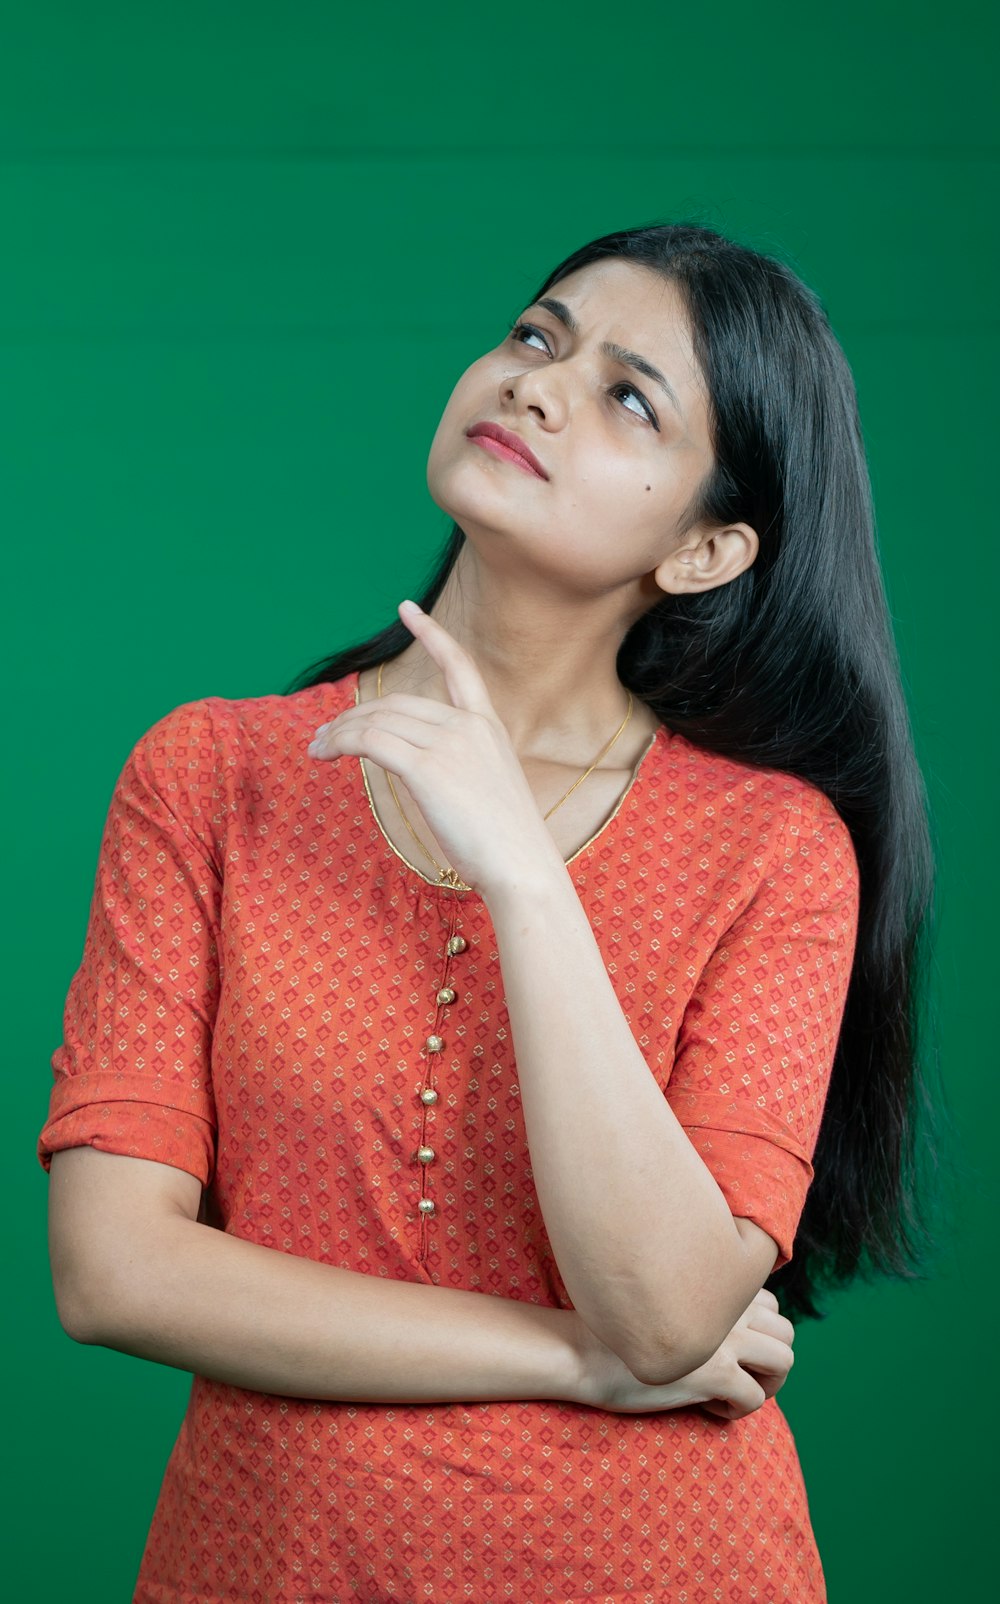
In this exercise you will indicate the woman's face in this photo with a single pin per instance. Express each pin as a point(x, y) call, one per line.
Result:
point(599, 381)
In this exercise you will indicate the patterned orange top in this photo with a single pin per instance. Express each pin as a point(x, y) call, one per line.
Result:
point(256, 1005)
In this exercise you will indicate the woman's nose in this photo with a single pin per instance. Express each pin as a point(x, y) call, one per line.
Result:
point(539, 391)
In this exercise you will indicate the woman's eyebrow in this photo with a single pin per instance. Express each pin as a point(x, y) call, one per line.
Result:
point(618, 353)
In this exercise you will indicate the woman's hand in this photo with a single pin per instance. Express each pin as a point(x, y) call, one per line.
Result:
point(456, 761)
point(760, 1342)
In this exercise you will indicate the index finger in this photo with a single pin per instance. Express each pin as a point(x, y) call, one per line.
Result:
point(464, 683)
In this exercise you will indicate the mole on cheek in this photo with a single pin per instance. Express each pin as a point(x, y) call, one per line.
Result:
point(649, 487)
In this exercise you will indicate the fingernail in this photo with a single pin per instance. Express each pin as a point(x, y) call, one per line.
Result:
point(412, 604)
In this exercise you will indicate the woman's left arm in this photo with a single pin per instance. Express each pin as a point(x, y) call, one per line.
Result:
point(651, 1255)
point(653, 1259)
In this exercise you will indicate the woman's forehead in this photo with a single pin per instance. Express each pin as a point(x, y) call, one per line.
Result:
point(614, 287)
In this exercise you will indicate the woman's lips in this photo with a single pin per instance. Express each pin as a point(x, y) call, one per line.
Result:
point(501, 443)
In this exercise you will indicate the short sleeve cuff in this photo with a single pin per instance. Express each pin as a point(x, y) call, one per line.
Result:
point(105, 1111)
point(759, 1181)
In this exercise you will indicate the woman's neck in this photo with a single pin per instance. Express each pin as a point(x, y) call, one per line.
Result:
point(548, 660)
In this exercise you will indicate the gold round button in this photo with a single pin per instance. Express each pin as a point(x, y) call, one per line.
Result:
point(456, 944)
point(428, 1095)
point(445, 996)
point(426, 1205)
point(425, 1155)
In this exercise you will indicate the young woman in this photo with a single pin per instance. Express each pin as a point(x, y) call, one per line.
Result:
point(522, 993)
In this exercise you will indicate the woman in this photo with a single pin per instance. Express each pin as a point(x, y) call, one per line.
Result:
point(522, 952)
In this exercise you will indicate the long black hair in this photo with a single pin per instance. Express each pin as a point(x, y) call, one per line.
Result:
point(792, 666)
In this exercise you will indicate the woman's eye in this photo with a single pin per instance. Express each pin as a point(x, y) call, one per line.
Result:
point(521, 333)
point(643, 410)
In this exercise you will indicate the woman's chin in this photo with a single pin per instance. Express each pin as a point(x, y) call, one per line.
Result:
point(471, 509)
point(476, 486)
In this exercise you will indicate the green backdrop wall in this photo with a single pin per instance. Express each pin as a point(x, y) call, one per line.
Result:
point(246, 250)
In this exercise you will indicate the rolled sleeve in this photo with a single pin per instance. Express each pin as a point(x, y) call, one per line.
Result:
point(758, 1037)
point(133, 1071)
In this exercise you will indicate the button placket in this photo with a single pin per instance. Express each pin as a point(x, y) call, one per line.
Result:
point(428, 1094)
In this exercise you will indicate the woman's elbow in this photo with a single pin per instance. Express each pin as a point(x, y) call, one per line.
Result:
point(657, 1347)
point(678, 1347)
point(109, 1219)
point(105, 1289)
point(659, 1352)
point(659, 1364)
point(80, 1313)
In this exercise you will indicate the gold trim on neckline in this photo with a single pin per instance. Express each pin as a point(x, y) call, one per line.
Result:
point(439, 885)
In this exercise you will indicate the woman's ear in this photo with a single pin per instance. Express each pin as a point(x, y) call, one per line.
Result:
point(704, 560)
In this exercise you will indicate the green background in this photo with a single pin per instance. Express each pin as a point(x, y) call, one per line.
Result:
point(246, 251)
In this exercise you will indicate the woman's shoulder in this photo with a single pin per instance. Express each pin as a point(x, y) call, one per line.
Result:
point(784, 807)
point(220, 728)
point(215, 761)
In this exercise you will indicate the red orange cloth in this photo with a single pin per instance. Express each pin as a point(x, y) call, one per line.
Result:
point(259, 983)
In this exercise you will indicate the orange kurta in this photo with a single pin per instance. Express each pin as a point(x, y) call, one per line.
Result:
point(259, 983)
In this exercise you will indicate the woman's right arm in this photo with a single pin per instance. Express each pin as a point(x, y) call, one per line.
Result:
point(135, 1270)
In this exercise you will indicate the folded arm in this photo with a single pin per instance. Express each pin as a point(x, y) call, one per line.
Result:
point(134, 1269)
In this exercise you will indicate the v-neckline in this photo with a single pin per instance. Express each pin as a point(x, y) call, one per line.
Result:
point(661, 733)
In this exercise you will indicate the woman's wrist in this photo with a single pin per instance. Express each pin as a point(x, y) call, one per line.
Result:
point(530, 882)
point(580, 1377)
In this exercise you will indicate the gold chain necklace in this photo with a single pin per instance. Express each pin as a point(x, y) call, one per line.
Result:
point(450, 877)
